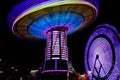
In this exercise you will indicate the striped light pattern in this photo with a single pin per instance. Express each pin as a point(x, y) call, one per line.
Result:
point(31, 19)
point(56, 46)
point(102, 53)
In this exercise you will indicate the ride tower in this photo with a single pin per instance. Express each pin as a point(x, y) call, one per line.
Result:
point(52, 20)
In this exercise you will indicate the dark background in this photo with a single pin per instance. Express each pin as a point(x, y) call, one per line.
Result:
point(24, 54)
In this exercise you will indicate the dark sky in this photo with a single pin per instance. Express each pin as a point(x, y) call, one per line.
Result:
point(21, 52)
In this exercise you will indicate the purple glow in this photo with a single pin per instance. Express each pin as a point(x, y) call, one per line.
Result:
point(56, 64)
point(57, 71)
point(101, 47)
point(104, 42)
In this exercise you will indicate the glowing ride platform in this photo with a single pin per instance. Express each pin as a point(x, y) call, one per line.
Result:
point(34, 20)
point(52, 20)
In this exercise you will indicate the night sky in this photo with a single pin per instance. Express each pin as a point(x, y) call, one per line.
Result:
point(23, 53)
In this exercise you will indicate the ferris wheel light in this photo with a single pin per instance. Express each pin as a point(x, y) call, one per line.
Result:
point(90, 72)
point(102, 53)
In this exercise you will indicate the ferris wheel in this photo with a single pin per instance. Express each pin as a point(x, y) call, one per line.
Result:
point(102, 53)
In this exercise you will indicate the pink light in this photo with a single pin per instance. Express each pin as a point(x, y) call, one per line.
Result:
point(57, 44)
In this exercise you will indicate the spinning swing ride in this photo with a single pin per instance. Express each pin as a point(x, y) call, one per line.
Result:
point(53, 20)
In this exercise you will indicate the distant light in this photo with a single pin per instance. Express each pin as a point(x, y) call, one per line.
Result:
point(90, 72)
point(0, 59)
point(1, 72)
point(21, 78)
point(82, 76)
point(12, 67)
point(33, 71)
point(16, 70)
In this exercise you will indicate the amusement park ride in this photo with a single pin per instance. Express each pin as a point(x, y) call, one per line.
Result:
point(53, 20)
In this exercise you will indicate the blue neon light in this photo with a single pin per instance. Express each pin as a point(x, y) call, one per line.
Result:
point(45, 22)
